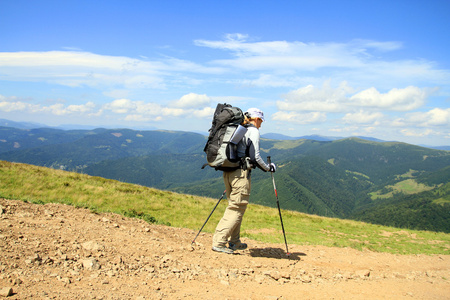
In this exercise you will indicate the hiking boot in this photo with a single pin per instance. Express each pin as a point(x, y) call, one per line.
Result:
point(237, 246)
point(223, 249)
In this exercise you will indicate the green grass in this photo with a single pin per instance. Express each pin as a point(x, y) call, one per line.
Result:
point(409, 174)
point(408, 186)
point(43, 185)
point(288, 144)
point(441, 201)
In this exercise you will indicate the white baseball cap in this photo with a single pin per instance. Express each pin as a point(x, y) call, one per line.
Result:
point(255, 113)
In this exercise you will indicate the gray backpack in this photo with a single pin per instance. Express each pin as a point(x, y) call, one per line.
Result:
point(224, 135)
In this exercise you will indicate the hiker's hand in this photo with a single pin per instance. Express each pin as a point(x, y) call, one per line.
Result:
point(273, 168)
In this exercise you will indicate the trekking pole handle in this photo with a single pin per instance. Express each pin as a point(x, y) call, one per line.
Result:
point(268, 160)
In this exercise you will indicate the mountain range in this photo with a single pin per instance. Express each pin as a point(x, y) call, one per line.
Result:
point(390, 183)
point(274, 136)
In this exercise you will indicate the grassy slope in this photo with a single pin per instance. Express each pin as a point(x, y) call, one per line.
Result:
point(42, 185)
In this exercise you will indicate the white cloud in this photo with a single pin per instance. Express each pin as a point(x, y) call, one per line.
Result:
point(360, 62)
point(7, 99)
point(58, 109)
point(417, 133)
point(295, 55)
point(329, 99)
point(439, 117)
point(120, 106)
point(310, 98)
point(188, 106)
point(380, 46)
point(174, 112)
point(258, 63)
point(272, 63)
point(192, 100)
point(76, 69)
point(7, 106)
point(78, 60)
point(406, 99)
point(434, 117)
point(363, 117)
point(83, 108)
point(370, 129)
point(206, 112)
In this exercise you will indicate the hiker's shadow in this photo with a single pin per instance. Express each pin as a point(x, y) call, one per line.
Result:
point(275, 253)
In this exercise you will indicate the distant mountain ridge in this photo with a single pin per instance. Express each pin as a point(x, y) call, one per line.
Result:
point(21, 125)
point(275, 136)
point(315, 137)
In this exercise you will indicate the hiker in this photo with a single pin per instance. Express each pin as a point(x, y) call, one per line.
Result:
point(238, 184)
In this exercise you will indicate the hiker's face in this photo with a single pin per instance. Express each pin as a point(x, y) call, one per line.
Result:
point(258, 123)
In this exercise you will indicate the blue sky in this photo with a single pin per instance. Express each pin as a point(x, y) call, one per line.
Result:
point(333, 68)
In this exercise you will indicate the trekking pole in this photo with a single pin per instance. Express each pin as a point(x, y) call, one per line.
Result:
point(209, 216)
point(279, 210)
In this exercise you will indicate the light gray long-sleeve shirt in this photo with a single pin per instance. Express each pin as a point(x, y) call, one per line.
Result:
point(250, 148)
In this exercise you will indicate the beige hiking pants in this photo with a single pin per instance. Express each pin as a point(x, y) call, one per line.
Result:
point(237, 185)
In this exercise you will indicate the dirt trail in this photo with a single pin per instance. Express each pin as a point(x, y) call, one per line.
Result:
point(57, 251)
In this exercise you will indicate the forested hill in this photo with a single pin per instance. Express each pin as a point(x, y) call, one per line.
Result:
point(77, 149)
point(347, 178)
